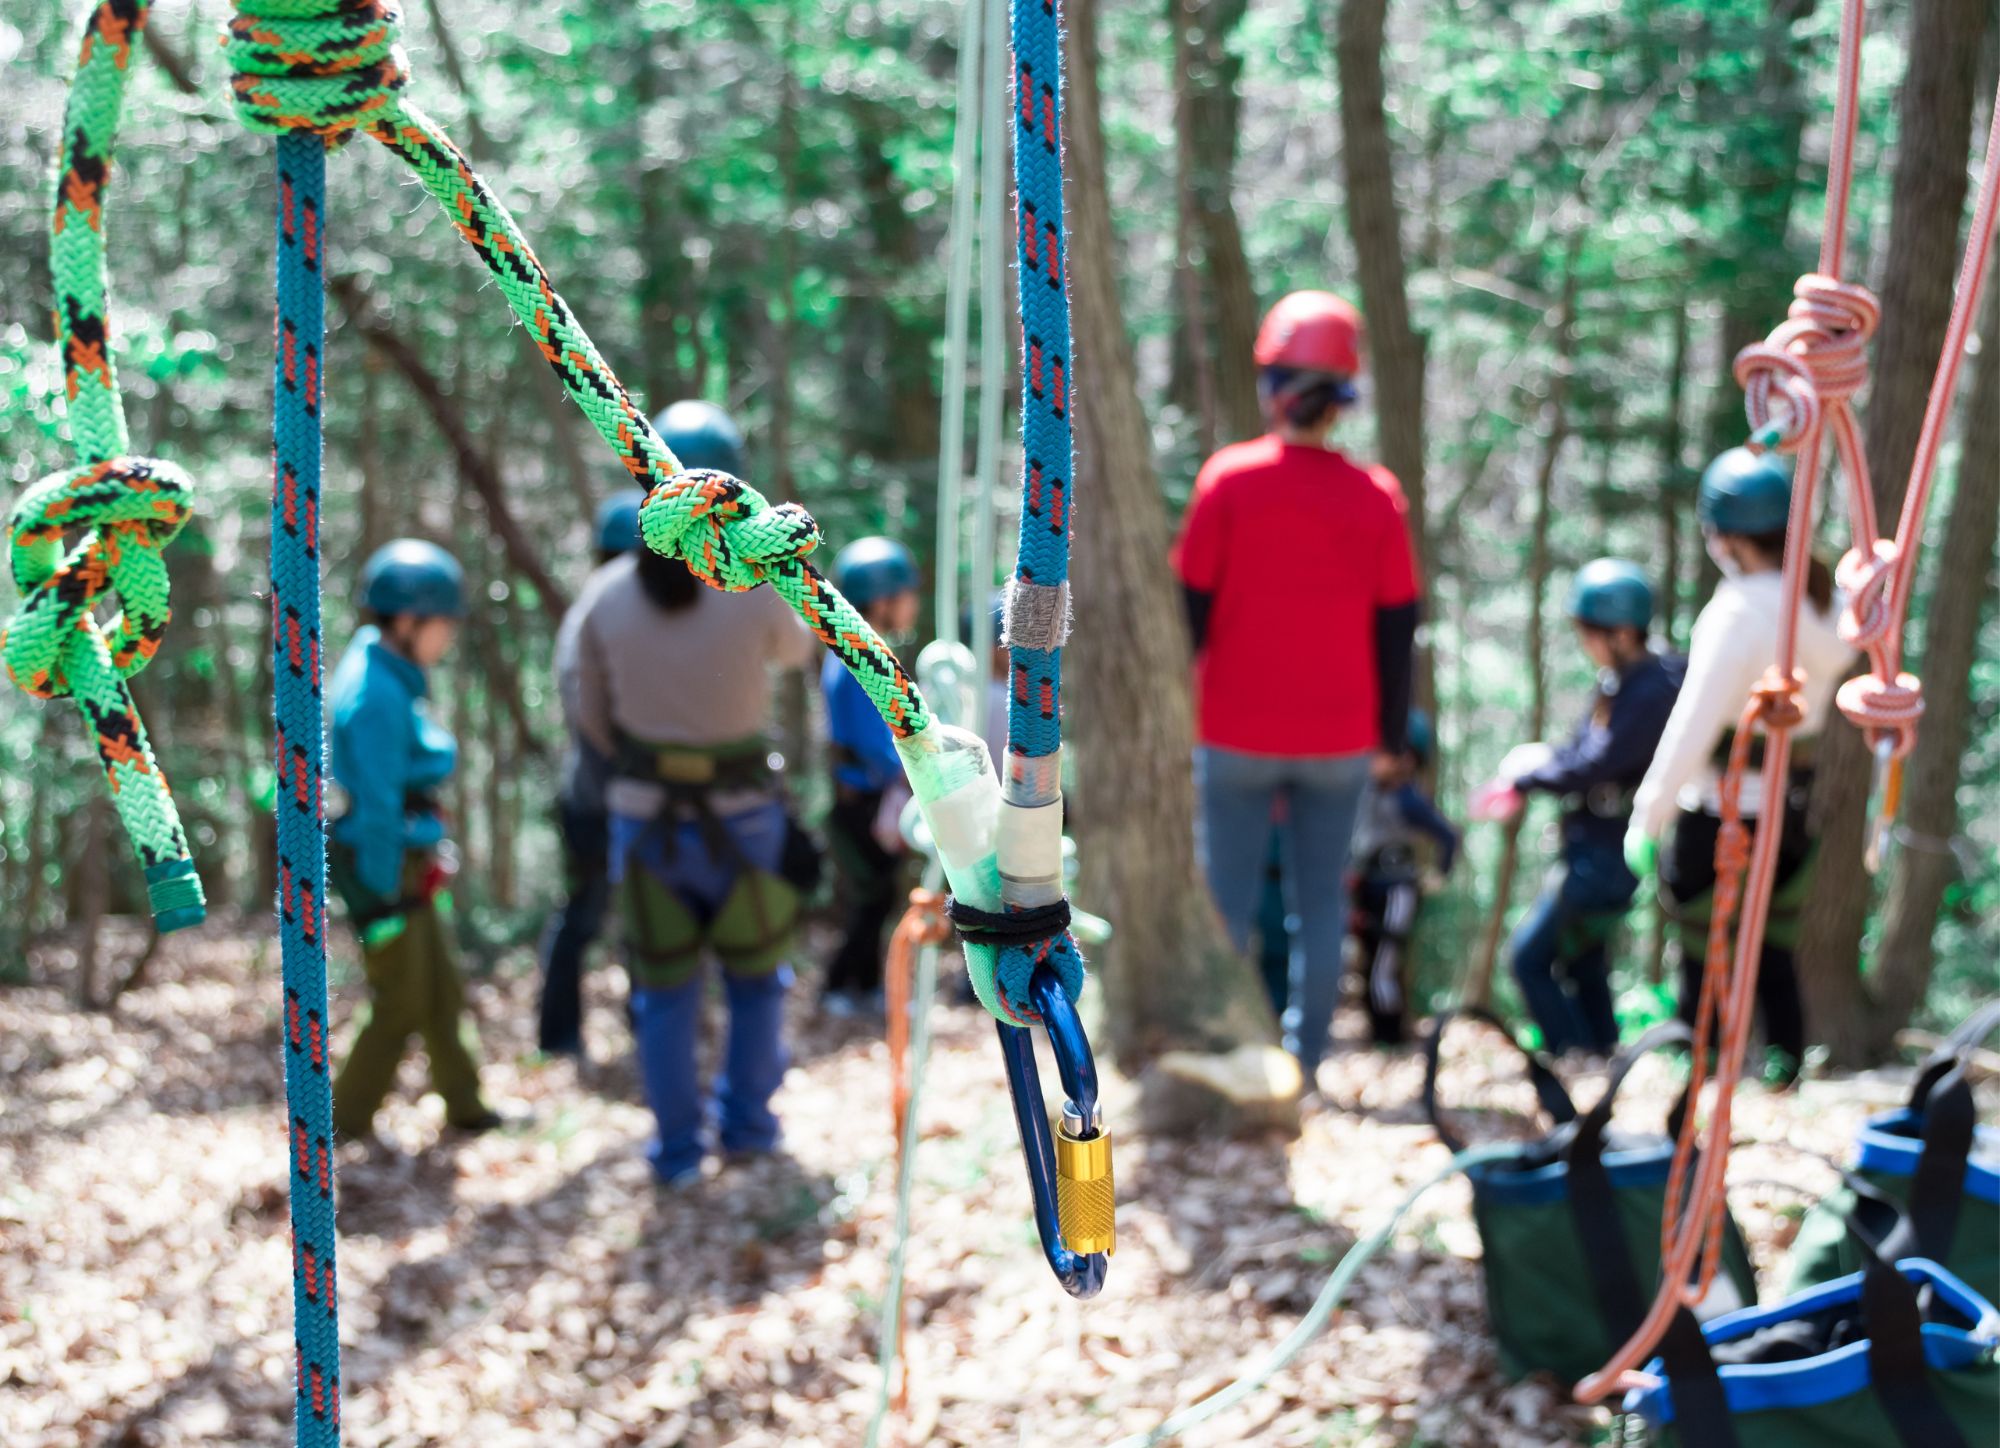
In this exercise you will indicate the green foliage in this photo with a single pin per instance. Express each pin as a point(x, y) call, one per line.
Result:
point(747, 202)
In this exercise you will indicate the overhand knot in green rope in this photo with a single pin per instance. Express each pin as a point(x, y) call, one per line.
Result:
point(128, 509)
point(325, 66)
point(726, 532)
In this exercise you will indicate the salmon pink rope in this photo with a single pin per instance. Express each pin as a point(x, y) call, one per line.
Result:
point(1799, 384)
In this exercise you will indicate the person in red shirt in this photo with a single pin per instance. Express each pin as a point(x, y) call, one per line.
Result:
point(1301, 593)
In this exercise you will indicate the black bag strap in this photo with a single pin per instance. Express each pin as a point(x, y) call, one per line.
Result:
point(1897, 1371)
point(1659, 1038)
point(1941, 1099)
point(1548, 1087)
point(1621, 1298)
point(1937, 1187)
point(1896, 1366)
point(1701, 1406)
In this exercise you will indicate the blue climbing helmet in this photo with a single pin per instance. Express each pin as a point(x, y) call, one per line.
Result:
point(1745, 492)
point(702, 435)
point(409, 575)
point(871, 569)
point(1611, 593)
point(1418, 737)
point(618, 521)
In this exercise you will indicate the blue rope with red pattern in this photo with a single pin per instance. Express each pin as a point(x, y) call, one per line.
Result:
point(1032, 771)
point(298, 386)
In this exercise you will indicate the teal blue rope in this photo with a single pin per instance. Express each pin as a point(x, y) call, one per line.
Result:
point(297, 391)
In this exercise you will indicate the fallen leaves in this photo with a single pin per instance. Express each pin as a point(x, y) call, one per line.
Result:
point(534, 1287)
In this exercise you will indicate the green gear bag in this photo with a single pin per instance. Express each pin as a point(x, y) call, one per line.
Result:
point(1895, 1356)
point(1569, 1223)
point(1933, 1159)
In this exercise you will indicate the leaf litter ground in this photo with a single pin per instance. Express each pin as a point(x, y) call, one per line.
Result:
point(532, 1287)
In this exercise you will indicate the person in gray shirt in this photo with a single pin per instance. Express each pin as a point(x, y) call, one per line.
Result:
point(671, 681)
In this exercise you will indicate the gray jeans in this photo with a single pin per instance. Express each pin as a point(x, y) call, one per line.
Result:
point(1238, 795)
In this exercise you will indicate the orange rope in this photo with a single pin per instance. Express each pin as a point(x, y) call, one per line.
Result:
point(1814, 363)
point(924, 923)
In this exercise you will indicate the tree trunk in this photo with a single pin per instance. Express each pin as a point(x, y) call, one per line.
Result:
point(1375, 222)
point(1169, 979)
point(663, 221)
point(1761, 170)
point(1673, 505)
point(782, 330)
point(893, 399)
point(1926, 865)
point(377, 527)
point(1673, 474)
point(1934, 137)
point(475, 468)
point(1222, 312)
point(1477, 988)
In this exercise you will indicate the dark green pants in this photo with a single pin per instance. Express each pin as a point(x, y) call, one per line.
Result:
point(414, 989)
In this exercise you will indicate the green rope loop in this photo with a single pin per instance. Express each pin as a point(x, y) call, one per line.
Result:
point(325, 66)
point(121, 510)
point(129, 509)
point(724, 530)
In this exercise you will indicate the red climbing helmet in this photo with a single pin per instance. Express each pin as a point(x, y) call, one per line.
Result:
point(1311, 332)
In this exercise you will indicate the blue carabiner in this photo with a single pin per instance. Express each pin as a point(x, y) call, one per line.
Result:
point(1083, 1135)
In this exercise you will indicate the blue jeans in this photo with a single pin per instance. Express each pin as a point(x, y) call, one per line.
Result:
point(1322, 796)
point(1559, 950)
point(667, 1021)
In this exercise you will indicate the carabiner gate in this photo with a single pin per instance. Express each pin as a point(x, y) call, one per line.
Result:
point(1069, 1169)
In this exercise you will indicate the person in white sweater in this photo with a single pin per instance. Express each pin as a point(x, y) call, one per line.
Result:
point(1744, 506)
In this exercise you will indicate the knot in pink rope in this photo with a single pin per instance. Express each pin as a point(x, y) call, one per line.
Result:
point(1816, 358)
point(1865, 579)
point(1884, 707)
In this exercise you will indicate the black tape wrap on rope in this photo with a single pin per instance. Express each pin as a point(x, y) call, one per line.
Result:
point(1004, 928)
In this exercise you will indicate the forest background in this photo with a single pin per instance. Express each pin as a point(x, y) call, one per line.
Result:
point(1562, 220)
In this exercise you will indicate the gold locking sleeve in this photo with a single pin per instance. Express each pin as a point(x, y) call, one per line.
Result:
point(1085, 1207)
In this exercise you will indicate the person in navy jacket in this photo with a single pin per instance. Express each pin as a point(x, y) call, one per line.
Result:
point(1559, 950)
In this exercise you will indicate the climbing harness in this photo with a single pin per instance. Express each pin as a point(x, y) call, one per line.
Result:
point(1799, 384)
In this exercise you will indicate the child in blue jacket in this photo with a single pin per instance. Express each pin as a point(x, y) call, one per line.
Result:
point(390, 758)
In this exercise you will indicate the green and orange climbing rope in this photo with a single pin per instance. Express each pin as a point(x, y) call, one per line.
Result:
point(314, 73)
point(97, 531)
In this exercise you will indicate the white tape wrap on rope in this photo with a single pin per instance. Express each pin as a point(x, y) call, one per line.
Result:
point(1030, 847)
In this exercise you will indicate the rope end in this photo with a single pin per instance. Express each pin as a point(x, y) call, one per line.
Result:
point(174, 892)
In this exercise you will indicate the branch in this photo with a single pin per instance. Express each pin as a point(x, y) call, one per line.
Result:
point(473, 467)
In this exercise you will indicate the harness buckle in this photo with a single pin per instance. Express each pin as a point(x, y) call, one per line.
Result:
point(679, 767)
